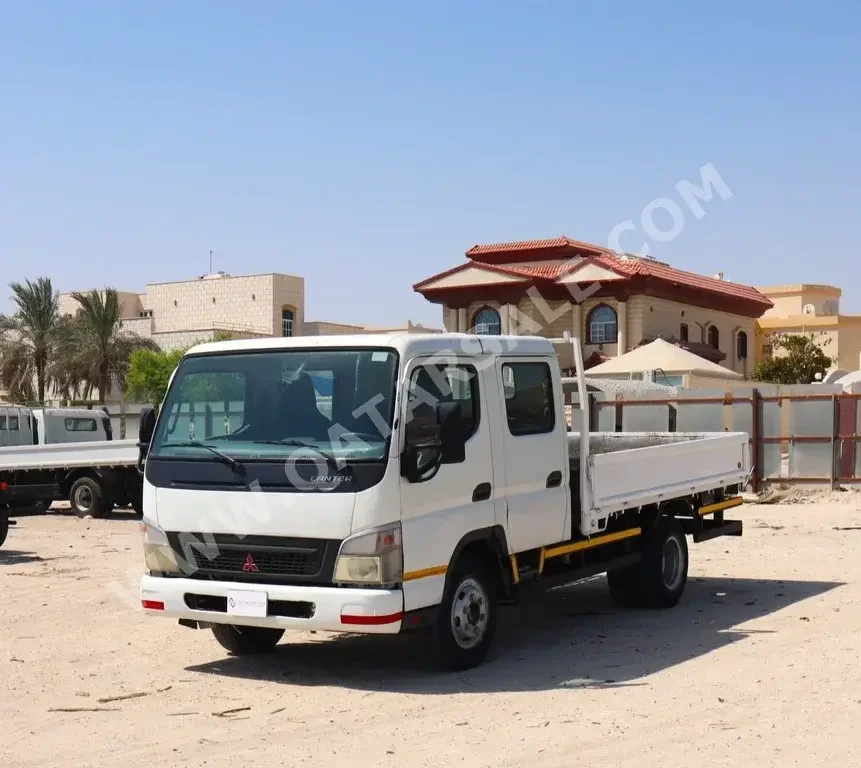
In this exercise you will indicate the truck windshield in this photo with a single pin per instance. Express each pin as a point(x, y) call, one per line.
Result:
point(280, 404)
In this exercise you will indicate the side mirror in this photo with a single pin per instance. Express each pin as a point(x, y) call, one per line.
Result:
point(418, 461)
point(147, 425)
point(145, 433)
point(452, 432)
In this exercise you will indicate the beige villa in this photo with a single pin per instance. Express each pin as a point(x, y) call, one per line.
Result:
point(612, 301)
point(811, 309)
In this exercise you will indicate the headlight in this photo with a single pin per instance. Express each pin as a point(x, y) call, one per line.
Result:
point(373, 557)
point(158, 554)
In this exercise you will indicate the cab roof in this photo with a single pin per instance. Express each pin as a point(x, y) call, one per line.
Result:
point(406, 344)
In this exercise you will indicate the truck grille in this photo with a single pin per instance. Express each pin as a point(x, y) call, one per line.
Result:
point(274, 563)
point(261, 559)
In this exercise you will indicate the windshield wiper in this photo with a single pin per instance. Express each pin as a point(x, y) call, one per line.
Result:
point(292, 441)
point(234, 464)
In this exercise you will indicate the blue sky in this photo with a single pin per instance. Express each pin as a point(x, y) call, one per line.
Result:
point(367, 145)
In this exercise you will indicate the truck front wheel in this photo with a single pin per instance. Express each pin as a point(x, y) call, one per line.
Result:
point(245, 640)
point(86, 497)
point(466, 620)
point(136, 501)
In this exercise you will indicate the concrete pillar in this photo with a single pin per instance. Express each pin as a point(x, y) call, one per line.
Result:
point(505, 319)
point(450, 321)
point(577, 321)
point(461, 320)
point(622, 327)
point(513, 320)
point(733, 349)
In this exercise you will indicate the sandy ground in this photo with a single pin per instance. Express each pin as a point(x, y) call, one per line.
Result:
point(759, 664)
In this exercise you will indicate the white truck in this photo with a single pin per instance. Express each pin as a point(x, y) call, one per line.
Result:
point(20, 425)
point(427, 481)
point(58, 454)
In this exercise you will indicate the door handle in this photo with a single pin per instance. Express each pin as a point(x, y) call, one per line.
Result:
point(554, 479)
point(482, 492)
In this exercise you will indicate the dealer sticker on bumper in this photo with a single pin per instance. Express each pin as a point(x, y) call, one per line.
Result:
point(244, 602)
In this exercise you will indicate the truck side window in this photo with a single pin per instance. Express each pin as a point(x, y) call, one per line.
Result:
point(12, 423)
point(80, 425)
point(432, 384)
point(528, 390)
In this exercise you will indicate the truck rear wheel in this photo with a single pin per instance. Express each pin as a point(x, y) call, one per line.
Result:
point(466, 620)
point(4, 524)
point(665, 564)
point(86, 497)
point(659, 580)
point(625, 588)
point(245, 640)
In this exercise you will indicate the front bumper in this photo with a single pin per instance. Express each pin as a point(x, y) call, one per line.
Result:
point(335, 609)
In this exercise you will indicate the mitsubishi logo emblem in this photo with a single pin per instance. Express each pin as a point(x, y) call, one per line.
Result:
point(249, 566)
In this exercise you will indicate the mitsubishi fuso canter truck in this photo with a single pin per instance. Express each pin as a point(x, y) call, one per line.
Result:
point(398, 482)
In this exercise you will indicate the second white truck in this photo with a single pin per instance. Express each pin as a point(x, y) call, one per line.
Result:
point(399, 482)
point(59, 454)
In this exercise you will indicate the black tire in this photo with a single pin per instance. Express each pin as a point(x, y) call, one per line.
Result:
point(136, 502)
point(664, 581)
point(86, 497)
point(626, 589)
point(659, 580)
point(246, 640)
point(467, 617)
point(4, 525)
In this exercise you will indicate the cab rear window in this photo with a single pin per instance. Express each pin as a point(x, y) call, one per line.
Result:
point(80, 425)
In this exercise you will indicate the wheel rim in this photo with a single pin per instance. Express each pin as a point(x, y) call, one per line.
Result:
point(83, 498)
point(469, 614)
point(672, 561)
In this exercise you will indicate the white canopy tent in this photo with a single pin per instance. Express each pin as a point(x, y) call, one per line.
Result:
point(664, 363)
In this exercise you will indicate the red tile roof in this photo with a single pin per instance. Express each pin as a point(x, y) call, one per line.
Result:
point(541, 272)
point(638, 266)
point(533, 245)
point(580, 252)
point(471, 264)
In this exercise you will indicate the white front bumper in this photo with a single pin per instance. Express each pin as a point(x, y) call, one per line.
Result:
point(375, 611)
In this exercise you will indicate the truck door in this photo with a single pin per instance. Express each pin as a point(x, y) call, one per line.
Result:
point(534, 443)
point(455, 499)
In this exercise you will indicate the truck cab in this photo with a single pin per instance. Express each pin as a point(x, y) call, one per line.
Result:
point(21, 426)
point(397, 482)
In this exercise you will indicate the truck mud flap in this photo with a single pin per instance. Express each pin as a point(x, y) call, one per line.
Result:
point(711, 529)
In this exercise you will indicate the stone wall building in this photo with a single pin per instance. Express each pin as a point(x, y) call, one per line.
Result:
point(612, 302)
point(178, 314)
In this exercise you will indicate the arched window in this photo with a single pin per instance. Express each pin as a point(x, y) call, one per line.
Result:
point(487, 322)
point(601, 325)
point(714, 337)
point(286, 322)
point(741, 346)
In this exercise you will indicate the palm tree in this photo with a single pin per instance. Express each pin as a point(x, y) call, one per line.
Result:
point(96, 348)
point(67, 371)
point(28, 339)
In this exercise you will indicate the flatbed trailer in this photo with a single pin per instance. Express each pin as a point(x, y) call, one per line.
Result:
point(93, 476)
